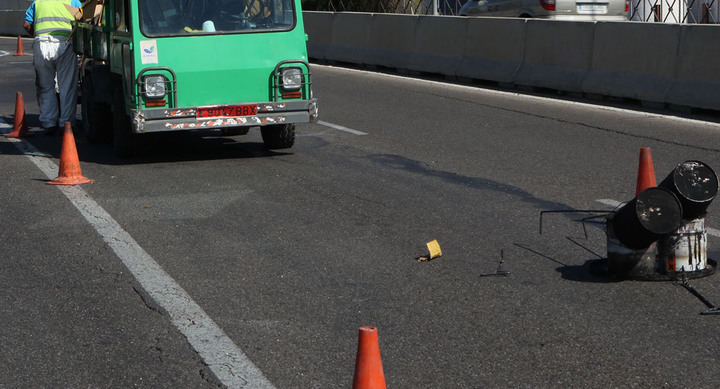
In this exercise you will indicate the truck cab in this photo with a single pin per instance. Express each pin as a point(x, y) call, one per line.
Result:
point(177, 65)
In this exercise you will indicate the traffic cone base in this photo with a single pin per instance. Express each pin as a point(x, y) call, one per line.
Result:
point(368, 365)
point(70, 181)
point(20, 52)
point(70, 172)
point(20, 128)
point(646, 172)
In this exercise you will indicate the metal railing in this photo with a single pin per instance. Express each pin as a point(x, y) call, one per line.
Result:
point(675, 11)
point(659, 11)
point(412, 7)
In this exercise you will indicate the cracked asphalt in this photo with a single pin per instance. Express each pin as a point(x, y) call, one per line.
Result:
point(290, 252)
point(72, 315)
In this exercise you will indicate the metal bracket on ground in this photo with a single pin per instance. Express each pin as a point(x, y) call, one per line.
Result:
point(712, 309)
point(500, 271)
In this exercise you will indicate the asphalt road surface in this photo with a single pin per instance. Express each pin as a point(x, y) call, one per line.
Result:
point(288, 253)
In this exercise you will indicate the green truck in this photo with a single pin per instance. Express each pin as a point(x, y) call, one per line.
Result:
point(153, 66)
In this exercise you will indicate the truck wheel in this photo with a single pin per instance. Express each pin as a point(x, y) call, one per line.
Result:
point(124, 141)
point(278, 136)
point(96, 123)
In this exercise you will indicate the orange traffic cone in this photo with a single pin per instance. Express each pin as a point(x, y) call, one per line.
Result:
point(646, 172)
point(70, 172)
point(20, 128)
point(19, 52)
point(368, 365)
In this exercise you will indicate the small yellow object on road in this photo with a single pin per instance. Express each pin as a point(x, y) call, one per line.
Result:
point(434, 251)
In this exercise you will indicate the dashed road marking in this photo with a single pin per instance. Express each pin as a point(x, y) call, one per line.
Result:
point(341, 128)
point(229, 364)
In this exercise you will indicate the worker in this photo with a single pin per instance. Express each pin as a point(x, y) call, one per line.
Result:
point(54, 58)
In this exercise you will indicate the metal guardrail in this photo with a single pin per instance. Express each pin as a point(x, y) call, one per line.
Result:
point(658, 11)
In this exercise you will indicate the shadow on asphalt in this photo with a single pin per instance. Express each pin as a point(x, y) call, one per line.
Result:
point(7, 148)
point(154, 148)
point(585, 273)
point(178, 147)
point(581, 273)
point(479, 183)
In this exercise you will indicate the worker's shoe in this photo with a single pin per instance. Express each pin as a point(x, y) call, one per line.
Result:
point(51, 130)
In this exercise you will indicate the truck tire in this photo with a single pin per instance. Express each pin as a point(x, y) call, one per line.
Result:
point(96, 115)
point(124, 141)
point(278, 136)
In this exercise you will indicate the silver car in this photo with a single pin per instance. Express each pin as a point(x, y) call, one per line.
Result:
point(549, 9)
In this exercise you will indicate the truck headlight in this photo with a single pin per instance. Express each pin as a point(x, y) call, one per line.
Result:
point(155, 86)
point(292, 78)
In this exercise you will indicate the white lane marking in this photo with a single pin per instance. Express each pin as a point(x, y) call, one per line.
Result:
point(340, 128)
point(609, 202)
point(4, 53)
point(531, 97)
point(615, 204)
point(231, 366)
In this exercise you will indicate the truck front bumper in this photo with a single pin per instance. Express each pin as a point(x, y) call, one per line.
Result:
point(178, 119)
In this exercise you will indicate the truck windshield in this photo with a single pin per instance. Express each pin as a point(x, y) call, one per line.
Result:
point(188, 17)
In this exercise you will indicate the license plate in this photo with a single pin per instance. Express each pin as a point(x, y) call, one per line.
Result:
point(592, 8)
point(219, 111)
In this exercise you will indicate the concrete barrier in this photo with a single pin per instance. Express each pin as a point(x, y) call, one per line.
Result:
point(349, 40)
point(557, 54)
point(438, 44)
point(633, 60)
point(11, 23)
point(16, 5)
point(650, 62)
point(318, 27)
point(391, 40)
point(697, 80)
point(492, 49)
point(12, 14)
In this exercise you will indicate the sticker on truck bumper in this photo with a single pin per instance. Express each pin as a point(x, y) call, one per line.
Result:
point(228, 122)
point(219, 116)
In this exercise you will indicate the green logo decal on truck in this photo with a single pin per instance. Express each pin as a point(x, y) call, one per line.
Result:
point(149, 54)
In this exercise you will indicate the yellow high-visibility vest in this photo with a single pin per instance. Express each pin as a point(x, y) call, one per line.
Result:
point(53, 18)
